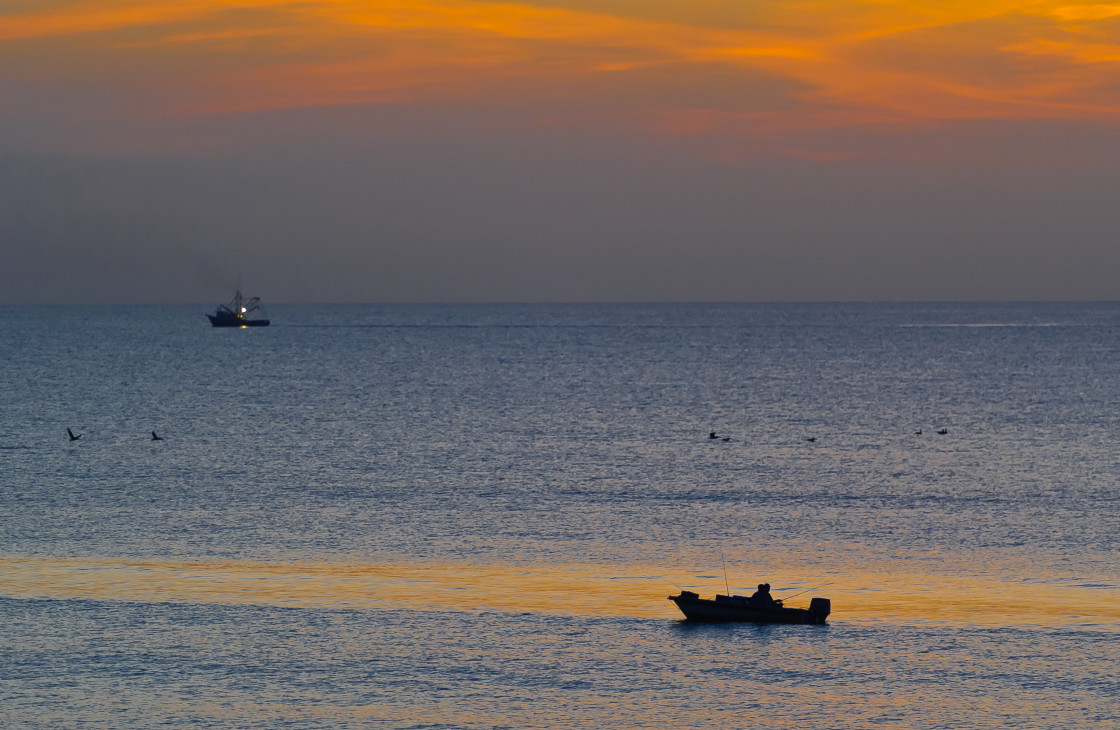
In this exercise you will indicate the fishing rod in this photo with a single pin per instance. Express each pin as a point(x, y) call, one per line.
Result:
point(724, 564)
point(795, 595)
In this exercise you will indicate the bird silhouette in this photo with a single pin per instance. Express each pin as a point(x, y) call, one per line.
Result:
point(918, 432)
point(155, 438)
point(942, 431)
point(712, 435)
point(72, 436)
point(812, 439)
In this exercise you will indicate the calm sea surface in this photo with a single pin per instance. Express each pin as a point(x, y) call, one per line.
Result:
point(470, 516)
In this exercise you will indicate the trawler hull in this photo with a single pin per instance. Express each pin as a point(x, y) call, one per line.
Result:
point(219, 321)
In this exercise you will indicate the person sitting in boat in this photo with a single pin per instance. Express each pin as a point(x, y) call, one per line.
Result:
point(762, 597)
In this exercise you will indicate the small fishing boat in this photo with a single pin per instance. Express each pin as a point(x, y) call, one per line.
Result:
point(240, 313)
point(725, 609)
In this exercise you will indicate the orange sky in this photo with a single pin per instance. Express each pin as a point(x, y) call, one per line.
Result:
point(675, 67)
point(586, 150)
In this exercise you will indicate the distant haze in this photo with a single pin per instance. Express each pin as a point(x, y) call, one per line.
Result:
point(565, 151)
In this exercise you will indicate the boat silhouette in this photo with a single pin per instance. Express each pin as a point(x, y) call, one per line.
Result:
point(240, 313)
point(728, 609)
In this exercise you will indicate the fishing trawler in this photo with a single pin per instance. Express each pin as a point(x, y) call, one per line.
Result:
point(725, 609)
point(240, 313)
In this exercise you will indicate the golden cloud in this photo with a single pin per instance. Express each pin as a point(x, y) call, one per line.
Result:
point(825, 62)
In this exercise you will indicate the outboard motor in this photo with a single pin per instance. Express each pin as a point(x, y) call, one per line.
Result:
point(820, 608)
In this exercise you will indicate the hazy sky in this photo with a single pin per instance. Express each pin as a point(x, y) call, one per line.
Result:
point(572, 150)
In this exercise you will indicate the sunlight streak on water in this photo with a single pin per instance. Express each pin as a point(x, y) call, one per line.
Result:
point(564, 590)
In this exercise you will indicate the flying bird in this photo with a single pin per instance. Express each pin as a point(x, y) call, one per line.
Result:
point(72, 436)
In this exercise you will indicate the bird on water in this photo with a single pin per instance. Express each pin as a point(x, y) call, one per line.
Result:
point(155, 438)
point(72, 436)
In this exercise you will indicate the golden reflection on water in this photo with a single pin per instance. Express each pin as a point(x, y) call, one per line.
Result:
point(636, 591)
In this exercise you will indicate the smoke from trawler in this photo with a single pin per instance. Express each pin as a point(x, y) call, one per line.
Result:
point(215, 280)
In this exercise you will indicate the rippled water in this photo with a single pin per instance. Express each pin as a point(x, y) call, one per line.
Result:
point(417, 516)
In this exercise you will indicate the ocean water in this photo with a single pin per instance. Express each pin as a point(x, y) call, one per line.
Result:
point(471, 516)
